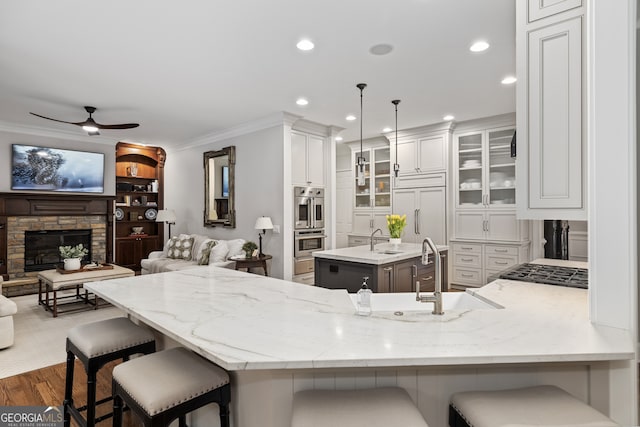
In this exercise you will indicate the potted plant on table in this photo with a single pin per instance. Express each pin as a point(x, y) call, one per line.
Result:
point(72, 255)
point(396, 224)
point(249, 248)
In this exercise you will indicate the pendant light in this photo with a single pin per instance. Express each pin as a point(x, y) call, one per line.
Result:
point(361, 180)
point(396, 166)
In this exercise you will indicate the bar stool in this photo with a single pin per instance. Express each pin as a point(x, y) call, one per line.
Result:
point(167, 385)
point(95, 344)
point(540, 406)
point(376, 407)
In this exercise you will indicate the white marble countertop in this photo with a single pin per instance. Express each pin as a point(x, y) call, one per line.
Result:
point(245, 321)
point(363, 254)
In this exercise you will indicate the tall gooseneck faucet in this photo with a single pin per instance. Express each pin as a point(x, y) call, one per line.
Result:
point(436, 297)
point(371, 244)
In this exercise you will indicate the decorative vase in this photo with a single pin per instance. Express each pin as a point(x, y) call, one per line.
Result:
point(72, 263)
point(395, 241)
point(248, 254)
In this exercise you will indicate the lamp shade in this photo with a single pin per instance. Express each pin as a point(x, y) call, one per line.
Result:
point(166, 215)
point(264, 223)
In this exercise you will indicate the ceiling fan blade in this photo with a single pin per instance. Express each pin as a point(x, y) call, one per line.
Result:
point(56, 120)
point(121, 126)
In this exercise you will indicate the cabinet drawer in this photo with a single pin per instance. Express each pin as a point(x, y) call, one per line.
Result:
point(501, 250)
point(303, 266)
point(358, 241)
point(467, 260)
point(424, 180)
point(468, 276)
point(495, 262)
point(467, 248)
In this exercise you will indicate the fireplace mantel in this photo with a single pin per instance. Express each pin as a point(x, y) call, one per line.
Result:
point(33, 204)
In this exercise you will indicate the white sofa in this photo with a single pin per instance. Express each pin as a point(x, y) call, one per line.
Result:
point(7, 309)
point(220, 254)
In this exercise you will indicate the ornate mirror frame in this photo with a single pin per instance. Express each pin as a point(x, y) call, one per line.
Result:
point(219, 187)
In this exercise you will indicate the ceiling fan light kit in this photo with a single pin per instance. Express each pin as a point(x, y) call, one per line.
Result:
point(90, 125)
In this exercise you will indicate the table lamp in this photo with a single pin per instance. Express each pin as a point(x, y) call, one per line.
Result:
point(168, 216)
point(263, 223)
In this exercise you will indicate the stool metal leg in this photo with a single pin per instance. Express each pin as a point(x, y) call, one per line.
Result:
point(68, 388)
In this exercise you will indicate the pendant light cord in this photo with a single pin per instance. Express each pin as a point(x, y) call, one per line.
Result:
point(396, 166)
point(361, 86)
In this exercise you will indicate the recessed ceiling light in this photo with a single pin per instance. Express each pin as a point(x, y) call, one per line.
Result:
point(479, 46)
point(381, 49)
point(448, 118)
point(338, 138)
point(387, 129)
point(509, 80)
point(302, 101)
point(305, 44)
point(350, 117)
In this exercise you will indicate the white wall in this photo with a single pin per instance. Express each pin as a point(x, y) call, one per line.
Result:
point(258, 189)
point(108, 149)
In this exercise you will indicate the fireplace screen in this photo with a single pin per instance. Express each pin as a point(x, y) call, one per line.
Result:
point(41, 247)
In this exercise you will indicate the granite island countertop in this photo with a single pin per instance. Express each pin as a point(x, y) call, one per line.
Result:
point(363, 254)
point(243, 321)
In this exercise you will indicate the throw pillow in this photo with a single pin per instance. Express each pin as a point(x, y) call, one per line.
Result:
point(219, 252)
point(235, 247)
point(205, 252)
point(180, 247)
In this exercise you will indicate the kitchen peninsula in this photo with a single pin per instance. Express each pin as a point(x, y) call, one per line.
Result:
point(389, 268)
point(276, 337)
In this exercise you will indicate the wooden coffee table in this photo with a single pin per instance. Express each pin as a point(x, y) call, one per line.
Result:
point(55, 281)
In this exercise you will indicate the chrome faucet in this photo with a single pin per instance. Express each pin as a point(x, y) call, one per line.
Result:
point(371, 238)
point(436, 297)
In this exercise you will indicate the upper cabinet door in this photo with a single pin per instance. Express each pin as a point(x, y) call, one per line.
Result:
point(315, 165)
point(555, 116)
point(298, 158)
point(539, 9)
point(432, 156)
point(407, 156)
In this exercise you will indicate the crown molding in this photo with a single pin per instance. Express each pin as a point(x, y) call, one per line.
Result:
point(53, 133)
point(278, 119)
point(305, 125)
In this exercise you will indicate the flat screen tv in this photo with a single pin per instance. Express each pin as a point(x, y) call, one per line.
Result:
point(225, 181)
point(54, 169)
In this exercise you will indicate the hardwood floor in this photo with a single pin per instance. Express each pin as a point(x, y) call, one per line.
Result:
point(46, 387)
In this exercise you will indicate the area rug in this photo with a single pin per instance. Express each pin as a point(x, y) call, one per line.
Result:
point(40, 338)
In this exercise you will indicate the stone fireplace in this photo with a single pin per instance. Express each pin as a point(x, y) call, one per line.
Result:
point(22, 213)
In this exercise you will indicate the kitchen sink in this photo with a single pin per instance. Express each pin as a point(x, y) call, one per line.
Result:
point(389, 252)
point(405, 302)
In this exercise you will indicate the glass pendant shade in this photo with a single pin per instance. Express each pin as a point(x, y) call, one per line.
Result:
point(396, 166)
point(361, 179)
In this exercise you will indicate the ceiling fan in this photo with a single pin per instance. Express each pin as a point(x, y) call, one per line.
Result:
point(90, 125)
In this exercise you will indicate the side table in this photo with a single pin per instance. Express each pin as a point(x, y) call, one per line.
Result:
point(256, 261)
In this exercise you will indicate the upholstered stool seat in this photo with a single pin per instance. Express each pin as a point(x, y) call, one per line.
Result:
point(95, 344)
point(7, 309)
point(167, 385)
point(531, 406)
point(376, 407)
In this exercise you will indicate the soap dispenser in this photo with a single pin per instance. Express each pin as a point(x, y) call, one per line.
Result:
point(363, 299)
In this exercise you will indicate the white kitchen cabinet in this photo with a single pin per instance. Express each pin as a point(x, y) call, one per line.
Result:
point(367, 222)
point(475, 264)
point(422, 155)
point(542, 9)
point(307, 154)
point(485, 174)
point(552, 157)
point(375, 192)
point(360, 240)
point(426, 210)
point(489, 225)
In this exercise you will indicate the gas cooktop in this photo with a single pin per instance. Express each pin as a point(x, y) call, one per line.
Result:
point(549, 275)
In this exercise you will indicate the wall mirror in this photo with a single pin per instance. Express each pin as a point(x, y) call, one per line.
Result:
point(219, 187)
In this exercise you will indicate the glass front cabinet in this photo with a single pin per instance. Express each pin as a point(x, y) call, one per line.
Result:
point(486, 172)
point(375, 190)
